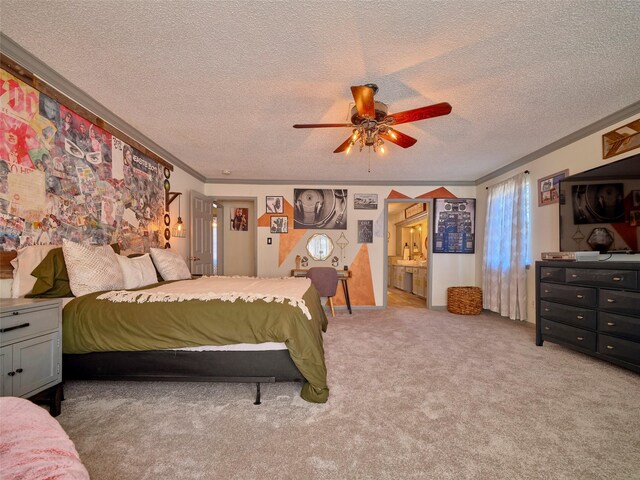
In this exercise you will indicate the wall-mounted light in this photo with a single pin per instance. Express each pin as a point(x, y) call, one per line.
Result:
point(179, 228)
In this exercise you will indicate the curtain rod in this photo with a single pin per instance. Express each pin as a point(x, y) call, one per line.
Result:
point(526, 172)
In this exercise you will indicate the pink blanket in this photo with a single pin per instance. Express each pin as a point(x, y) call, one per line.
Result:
point(33, 445)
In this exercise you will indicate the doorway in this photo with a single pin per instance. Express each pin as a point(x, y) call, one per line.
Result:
point(234, 237)
point(407, 253)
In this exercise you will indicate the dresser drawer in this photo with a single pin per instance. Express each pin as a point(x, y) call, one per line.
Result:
point(603, 278)
point(619, 348)
point(27, 323)
point(573, 335)
point(619, 325)
point(580, 317)
point(620, 302)
point(553, 274)
point(569, 294)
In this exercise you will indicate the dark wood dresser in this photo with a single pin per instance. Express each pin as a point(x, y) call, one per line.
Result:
point(592, 307)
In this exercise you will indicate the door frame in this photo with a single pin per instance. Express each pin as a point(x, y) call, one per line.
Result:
point(231, 198)
point(385, 249)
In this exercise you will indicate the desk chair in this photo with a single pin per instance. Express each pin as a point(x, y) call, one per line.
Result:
point(325, 279)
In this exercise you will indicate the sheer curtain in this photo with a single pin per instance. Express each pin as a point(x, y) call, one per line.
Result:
point(506, 248)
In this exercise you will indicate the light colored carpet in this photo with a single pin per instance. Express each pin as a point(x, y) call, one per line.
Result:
point(414, 394)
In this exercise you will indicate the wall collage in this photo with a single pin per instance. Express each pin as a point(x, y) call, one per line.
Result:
point(63, 177)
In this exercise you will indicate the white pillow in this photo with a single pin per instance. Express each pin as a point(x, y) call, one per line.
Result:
point(91, 268)
point(170, 265)
point(137, 271)
point(28, 258)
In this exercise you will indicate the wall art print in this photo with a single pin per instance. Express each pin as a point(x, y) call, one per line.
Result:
point(320, 208)
point(63, 177)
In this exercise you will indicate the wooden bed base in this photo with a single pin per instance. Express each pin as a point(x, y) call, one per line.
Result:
point(266, 366)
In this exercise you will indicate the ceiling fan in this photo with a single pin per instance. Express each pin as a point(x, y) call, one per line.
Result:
point(372, 124)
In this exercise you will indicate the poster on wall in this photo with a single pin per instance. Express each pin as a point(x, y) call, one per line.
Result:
point(61, 176)
point(324, 209)
point(454, 225)
point(239, 219)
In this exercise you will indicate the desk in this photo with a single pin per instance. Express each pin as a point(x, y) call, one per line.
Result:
point(343, 276)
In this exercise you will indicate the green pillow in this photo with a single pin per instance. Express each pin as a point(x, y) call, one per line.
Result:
point(52, 279)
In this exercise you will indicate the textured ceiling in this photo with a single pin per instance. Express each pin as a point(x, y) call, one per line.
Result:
point(219, 84)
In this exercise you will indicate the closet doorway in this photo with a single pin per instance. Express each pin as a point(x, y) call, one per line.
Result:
point(407, 253)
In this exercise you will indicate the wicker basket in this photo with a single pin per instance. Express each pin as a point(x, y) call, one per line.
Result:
point(464, 300)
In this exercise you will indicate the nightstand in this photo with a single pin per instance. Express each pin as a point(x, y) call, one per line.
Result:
point(30, 349)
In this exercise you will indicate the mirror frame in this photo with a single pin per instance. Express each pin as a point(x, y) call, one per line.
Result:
point(330, 246)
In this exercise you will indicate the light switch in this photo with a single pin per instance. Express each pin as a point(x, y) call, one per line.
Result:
point(268, 240)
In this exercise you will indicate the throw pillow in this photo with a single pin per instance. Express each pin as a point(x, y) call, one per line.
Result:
point(137, 272)
point(26, 260)
point(170, 265)
point(91, 269)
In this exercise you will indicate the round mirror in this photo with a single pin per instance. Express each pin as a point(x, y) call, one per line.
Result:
point(319, 246)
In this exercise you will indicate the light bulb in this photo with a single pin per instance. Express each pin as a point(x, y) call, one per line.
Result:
point(381, 149)
point(393, 134)
point(348, 149)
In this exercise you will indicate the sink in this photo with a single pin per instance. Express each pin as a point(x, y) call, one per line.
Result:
point(408, 263)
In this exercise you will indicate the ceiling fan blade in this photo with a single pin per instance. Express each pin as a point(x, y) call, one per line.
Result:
point(344, 145)
point(322, 125)
point(420, 113)
point(364, 101)
point(399, 138)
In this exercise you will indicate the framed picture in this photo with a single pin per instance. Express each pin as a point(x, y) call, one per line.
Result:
point(324, 209)
point(275, 204)
point(548, 191)
point(365, 201)
point(279, 224)
point(454, 225)
point(240, 219)
point(365, 231)
point(621, 139)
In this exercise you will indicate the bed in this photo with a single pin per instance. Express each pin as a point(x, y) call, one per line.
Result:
point(165, 331)
point(205, 329)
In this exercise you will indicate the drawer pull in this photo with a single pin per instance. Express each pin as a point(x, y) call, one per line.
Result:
point(610, 347)
point(547, 274)
point(15, 327)
point(574, 276)
point(580, 338)
point(547, 309)
point(547, 291)
point(19, 370)
point(616, 279)
point(547, 328)
point(611, 300)
point(611, 324)
point(579, 317)
point(11, 374)
point(15, 313)
point(580, 296)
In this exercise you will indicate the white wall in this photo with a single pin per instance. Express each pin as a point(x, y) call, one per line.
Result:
point(579, 156)
point(448, 269)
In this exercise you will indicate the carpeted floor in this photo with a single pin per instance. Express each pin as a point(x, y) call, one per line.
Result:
point(414, 394)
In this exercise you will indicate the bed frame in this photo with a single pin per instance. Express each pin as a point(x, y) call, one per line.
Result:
point(257, 367)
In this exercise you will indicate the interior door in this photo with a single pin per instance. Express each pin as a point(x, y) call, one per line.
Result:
point(201, 259)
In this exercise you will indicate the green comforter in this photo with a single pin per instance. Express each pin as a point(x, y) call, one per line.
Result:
point(91, 325)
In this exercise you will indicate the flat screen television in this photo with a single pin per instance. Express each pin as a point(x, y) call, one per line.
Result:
point(600, 208)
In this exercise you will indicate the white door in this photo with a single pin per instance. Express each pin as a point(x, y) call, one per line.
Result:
point(201, 215)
